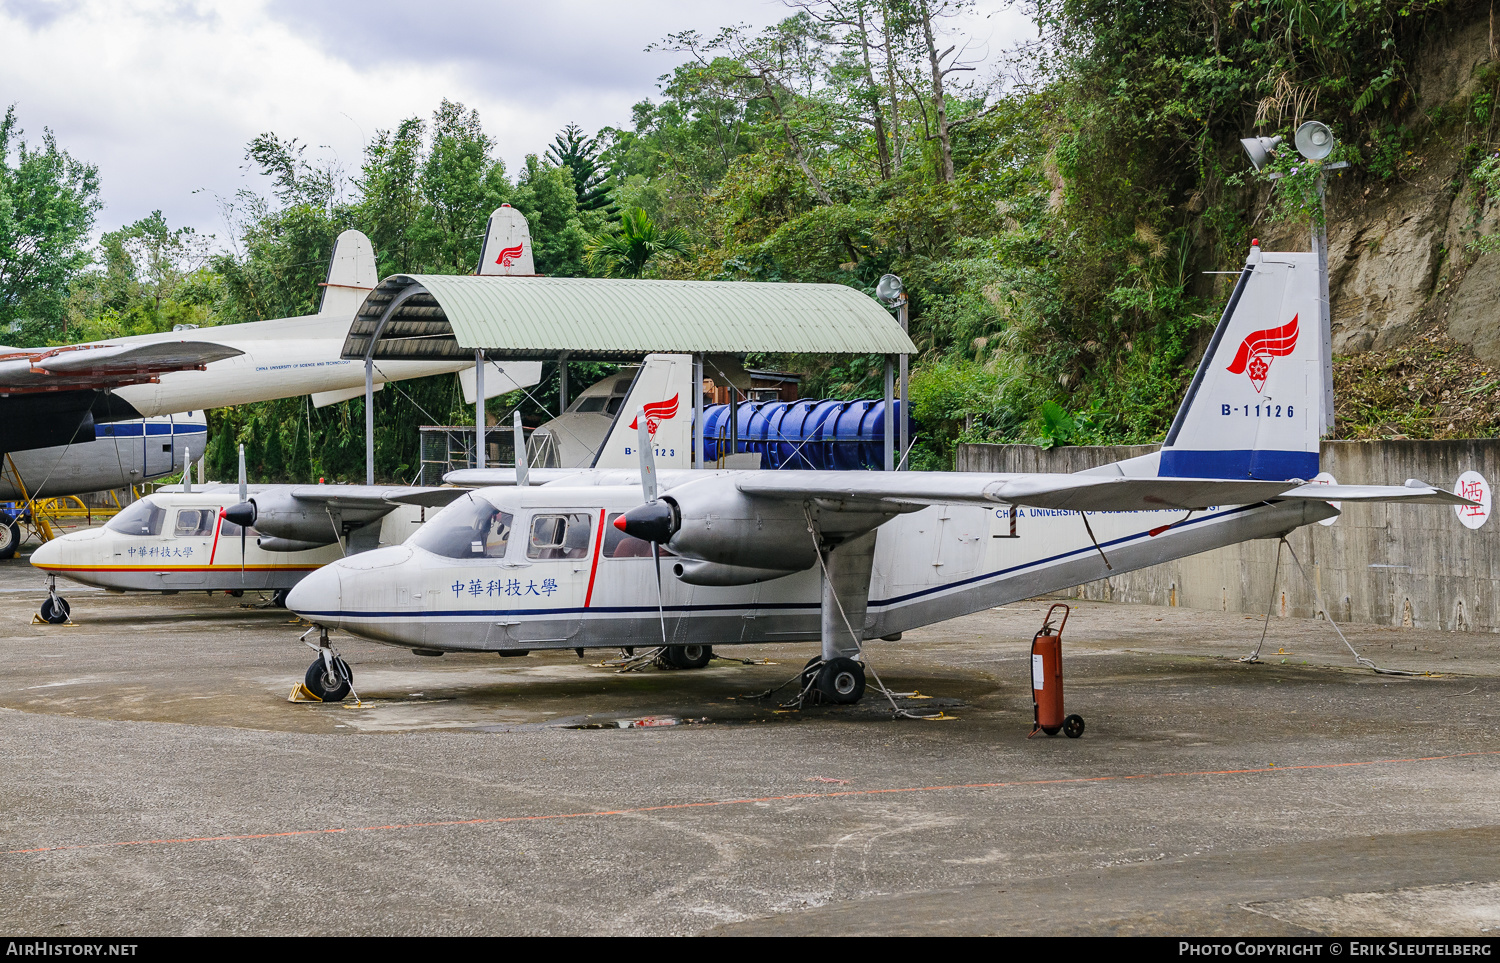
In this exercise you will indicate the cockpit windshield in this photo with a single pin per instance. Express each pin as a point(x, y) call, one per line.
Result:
point(142, 518)
point(471, 527)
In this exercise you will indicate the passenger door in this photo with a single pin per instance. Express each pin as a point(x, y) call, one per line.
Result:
point(546, 577)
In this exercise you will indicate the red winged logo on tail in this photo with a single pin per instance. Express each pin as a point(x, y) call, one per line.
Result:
point(656, 413)
point(508, 255)
point(1256, 351)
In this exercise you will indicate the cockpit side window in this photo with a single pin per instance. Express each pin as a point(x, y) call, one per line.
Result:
point(560, 536)
point(195, 523)
point(142, 518)
point(469, 528)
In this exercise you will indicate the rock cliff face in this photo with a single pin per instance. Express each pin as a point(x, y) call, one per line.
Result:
point(1400, 257)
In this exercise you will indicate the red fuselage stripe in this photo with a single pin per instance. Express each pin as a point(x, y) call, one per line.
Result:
point(598, 547)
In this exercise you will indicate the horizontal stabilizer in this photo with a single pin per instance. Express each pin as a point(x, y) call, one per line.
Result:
point(1411, 494)
point(500, 377)
point(322, 399)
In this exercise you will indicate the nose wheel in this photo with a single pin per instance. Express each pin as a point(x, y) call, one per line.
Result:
point(54, 609)
point(329, 678)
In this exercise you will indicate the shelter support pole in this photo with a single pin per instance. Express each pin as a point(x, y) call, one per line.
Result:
point(890, 416)
point(905, 399)
point(1325, 321)
point(562, 383)
point(369, 420)
point(734, 420)
point(700, 437)
point(479, 451)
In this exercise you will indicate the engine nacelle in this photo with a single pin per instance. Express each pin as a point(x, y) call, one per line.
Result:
point(279, 515)
point(269, 543)
point(696, 572)
point(719, 523)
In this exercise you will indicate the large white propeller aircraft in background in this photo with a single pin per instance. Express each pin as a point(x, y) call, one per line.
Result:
point(693, 559)
point(55, 396)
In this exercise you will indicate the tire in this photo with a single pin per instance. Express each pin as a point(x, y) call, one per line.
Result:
point(689, 656)
point(329, 690)
point(841, 681)
point(10, 537)
point(278, 598)
point(1073, 726)
point(55, 610)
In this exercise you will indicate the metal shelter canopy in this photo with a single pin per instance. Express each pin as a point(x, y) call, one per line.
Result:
point(424, 316)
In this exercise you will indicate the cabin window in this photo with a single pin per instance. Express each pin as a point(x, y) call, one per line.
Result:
point(195, 523)
point(142, 518)
point(469, 528)
point(560, 536)
point(619, 545)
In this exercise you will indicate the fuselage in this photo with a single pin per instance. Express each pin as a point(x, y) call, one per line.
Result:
point(120, 454)
point(169, 542)
point(544, 567)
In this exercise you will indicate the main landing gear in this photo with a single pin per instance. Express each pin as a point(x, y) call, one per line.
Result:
point(329, 678)
point(685, 656)
point(838, 681)
point(54, 608)
point(10, 535)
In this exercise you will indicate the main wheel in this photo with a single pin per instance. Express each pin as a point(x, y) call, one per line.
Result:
point(10, 537)
point(1073, 727)
point(55, 609)
point(278, 598)
point(841, 681)
point(689, 656)
point(330, 687)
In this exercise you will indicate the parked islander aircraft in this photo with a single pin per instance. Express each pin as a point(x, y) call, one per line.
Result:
point(777, 556)
point(269, 537)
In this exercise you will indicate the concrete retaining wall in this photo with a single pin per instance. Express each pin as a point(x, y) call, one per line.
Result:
point(1403, 565)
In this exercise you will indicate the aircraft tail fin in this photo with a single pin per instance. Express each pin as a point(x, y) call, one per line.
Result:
point(1256, 407)
point(663, 388)
point(507, 245)
point(352, 274)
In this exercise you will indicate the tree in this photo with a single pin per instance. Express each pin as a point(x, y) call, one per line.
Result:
point(627, 252)
point(580, 155)
point(47, 205)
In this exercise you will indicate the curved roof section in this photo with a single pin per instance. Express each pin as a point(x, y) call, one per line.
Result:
point(425, 316)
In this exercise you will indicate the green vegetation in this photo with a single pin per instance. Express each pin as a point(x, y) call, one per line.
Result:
point(1053, 222)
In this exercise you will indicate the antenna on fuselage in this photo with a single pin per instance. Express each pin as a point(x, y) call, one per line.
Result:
point(520, 436)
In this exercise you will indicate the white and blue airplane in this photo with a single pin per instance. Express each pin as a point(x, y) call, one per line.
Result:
point(692, 559)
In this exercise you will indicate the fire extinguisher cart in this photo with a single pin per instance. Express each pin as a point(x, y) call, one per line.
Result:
point(1047, 680)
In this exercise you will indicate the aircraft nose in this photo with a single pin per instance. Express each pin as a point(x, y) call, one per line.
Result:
point(48, 553)
point(318, 597)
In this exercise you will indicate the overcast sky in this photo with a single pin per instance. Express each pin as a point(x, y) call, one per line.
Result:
point(163, 96)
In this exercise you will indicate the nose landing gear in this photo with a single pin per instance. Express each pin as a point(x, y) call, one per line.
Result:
point(54, 609)
point(329, 678)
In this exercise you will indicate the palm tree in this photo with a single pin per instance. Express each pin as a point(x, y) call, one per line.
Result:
point(626, 253)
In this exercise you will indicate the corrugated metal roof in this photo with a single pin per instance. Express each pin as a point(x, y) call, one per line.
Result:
point(528, 317)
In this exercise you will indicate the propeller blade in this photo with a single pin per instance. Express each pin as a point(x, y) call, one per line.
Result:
point(244, 485)
point(661, 610)
point(646, 448)
point(187, 470)
point(521, 466)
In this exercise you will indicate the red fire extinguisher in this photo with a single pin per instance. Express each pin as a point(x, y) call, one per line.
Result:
point(1047, 683)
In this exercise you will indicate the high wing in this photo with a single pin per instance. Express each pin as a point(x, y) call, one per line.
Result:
point(369, 497)
point(1068, 492)
point(85, 366)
